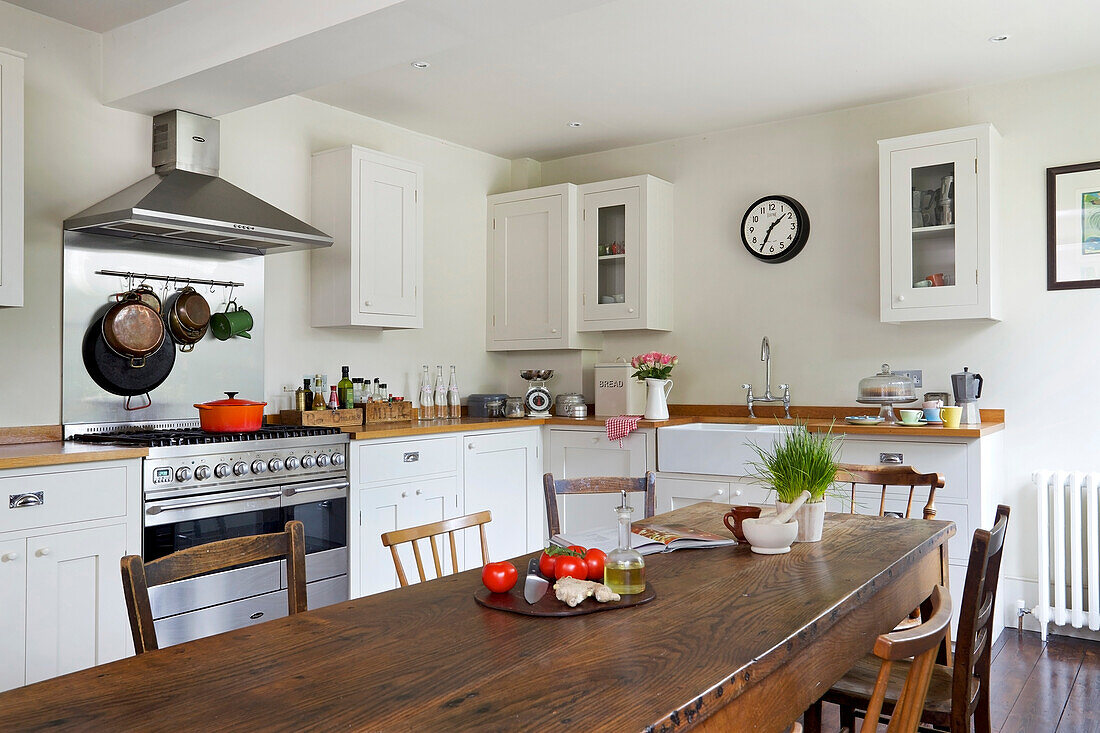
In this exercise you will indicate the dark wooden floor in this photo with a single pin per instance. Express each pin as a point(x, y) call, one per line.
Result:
point(1037, 688)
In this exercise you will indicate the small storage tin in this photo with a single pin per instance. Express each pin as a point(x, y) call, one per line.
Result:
point(485, 405)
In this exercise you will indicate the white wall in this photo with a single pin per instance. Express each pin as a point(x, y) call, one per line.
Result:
point(79, 152)
point(266, 150)
point(820, 310)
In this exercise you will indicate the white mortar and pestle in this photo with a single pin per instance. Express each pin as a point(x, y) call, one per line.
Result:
point(773, 535)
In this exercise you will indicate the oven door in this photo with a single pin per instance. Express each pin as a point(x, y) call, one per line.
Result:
point(176, 524)
point(322, 506)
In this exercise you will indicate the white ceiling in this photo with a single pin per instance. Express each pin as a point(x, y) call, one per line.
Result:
point(635, 71)
point(97, 15)
point(506, 76)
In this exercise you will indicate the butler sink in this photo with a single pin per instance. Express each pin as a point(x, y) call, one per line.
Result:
point(721, 449)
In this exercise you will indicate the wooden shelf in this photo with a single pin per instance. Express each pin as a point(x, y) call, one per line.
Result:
point(602, 258)
point(920, 233)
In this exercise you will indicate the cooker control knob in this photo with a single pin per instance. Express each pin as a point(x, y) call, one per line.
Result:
point(291, 463)
point(183, 473)
point(258, 466)
point(307, 461)
point(221, 470)
point(337, 459)
point(202, 473)
point(240, 468)
point(275, 464)
point(322, 460)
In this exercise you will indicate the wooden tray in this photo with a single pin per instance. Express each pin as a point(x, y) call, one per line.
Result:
point(327, 418)
point(549, 605)
point(373, 412)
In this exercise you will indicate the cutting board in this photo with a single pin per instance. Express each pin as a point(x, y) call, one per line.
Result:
point(549, 605)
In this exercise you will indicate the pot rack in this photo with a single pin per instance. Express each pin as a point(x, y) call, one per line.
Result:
point(142, 276)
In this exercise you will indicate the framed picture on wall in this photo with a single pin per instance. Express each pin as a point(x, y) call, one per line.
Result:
point(1073, 226)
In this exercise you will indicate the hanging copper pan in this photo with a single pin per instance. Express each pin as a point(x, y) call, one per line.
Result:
point(132, 329)
point(191, 309)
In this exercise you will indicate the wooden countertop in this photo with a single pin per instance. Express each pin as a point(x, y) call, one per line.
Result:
point(427, 657)
point(56, 452)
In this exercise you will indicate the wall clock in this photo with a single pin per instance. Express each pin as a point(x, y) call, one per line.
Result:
point(775, 228)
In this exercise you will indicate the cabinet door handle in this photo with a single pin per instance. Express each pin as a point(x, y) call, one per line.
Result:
point(553, 330)
point(718, 492)
point(629, 310)
point(411, 457)
point(418, 492)
point(9, 557)
point(737, 492)
point(901, 298)
point(42, 552)
point(891, 458)
point(18, 501)
point(470, 446)
point(404, 494)
point(596, 439)
point(366, 302)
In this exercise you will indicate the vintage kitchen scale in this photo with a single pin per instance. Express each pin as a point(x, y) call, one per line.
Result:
point(537, 400)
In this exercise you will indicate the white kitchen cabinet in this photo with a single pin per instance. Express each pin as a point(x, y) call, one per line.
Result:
point(532, 293)
point(626, 255)
point(938, 224)
point(74, 597)
point(580, 452)
point(676, 492)
point(13, 613)
point(373, 274)
point(63, 531)
point(502, 473)
point(11, 178)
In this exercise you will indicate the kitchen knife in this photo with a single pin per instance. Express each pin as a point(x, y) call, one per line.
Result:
point(535, 586)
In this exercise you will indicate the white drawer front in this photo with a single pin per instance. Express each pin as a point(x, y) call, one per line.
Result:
point(65, 496)
point(867, 502)
point(407, 459)
point(946, 458)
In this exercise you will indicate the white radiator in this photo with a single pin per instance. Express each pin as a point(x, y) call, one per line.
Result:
point(1069, 528)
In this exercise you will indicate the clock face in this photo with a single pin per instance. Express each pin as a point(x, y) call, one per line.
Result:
point(775, 228)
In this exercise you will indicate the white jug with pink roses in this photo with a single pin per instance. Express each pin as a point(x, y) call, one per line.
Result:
point(655, 368)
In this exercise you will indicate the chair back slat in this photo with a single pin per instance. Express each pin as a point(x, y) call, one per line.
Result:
point(138, 577)
point(430, 532)
point(887, 476)
point(972, 649)
point(595, 485)
point(920, 643)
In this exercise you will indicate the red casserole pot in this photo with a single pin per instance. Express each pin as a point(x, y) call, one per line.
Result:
point(231, 415)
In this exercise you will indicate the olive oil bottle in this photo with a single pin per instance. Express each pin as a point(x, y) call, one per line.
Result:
point(624, 568)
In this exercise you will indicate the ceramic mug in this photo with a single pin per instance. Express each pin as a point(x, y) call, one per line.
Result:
point(738, 514)
point(235, 322)
point(951, 416)
point(932, 414)
point(911, 417)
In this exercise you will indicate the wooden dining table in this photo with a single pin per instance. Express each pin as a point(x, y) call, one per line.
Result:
point(751, 640)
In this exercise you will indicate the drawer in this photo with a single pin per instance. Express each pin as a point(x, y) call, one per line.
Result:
point(66, 496)
point(946, 458)
point(958, 548)
point(407, 459)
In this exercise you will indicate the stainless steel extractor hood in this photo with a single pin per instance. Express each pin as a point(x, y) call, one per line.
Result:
point(186, 203)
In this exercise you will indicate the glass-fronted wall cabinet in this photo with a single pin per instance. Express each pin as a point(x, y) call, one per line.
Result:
point(626, 255)
point(937, 225)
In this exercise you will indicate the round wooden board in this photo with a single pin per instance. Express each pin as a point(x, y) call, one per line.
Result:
point(549, 605)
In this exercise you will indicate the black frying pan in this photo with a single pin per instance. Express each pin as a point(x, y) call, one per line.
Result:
point(115, 374)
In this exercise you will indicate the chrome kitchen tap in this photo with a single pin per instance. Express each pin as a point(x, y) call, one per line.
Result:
point(766, 357)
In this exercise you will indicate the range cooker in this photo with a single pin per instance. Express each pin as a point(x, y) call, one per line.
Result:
point(201, 487)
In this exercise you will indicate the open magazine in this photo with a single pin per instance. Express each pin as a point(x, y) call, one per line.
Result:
point(647, 540)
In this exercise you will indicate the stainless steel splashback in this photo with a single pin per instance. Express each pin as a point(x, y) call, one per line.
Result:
point(203, 374)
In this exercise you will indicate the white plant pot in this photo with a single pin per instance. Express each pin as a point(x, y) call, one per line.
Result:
point(656, 403)
point(811, 519)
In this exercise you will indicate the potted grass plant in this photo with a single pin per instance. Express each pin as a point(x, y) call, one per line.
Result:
point(800, 460)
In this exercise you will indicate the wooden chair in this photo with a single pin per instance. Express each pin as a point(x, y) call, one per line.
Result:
point(595, 485)
point(958, 692)
point(138, 577)
point(891, 475)
point(430, 532)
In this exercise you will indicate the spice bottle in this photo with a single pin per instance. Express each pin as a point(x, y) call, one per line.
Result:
point(333, 399)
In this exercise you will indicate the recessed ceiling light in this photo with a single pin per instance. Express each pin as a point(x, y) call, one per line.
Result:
point(420, 64)
point(1000, 38)
point(574, 124)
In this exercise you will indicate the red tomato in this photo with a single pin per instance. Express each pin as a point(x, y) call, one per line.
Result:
point(499, 577)
point(547, 563)
point(577, 549)
point(594, 559)
point(573, 567)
